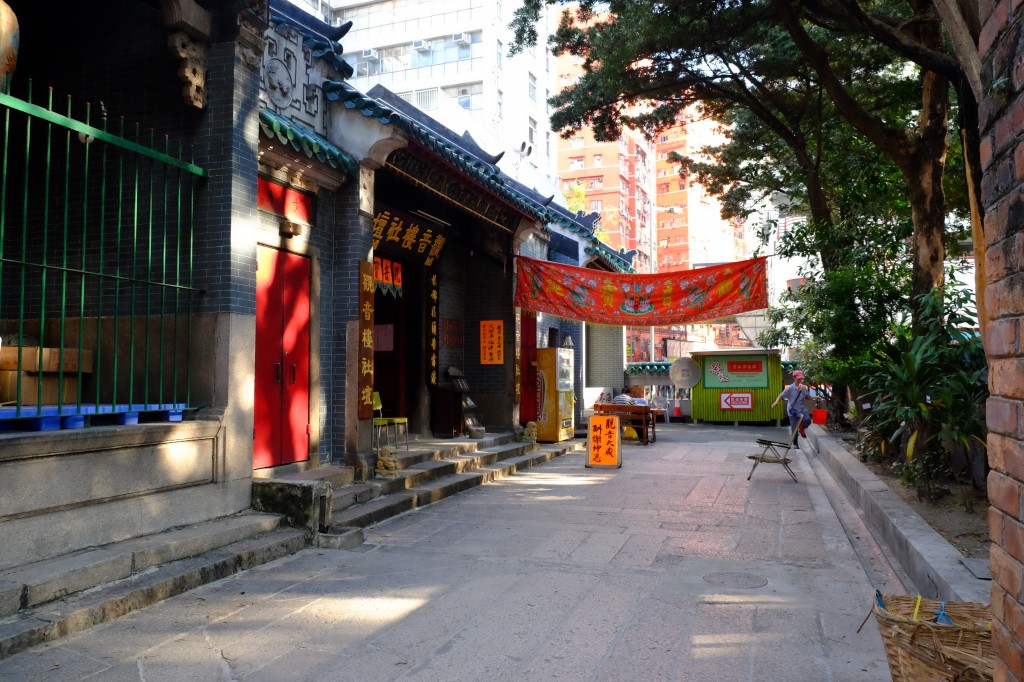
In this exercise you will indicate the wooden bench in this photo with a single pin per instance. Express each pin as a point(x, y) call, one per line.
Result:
point(639, 417)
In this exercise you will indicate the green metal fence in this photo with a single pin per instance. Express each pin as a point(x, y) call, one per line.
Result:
point(96, 265)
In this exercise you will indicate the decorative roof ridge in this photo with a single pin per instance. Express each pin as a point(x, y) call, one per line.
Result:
point(463, 143)
point(422, 128)
point(319, 37)
point(633, 368)
point(302, 139)
point(491, 158)
point(463, 160)
point(314, 25)
point(614, 258)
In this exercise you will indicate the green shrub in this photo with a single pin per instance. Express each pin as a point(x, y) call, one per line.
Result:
point(927, 389)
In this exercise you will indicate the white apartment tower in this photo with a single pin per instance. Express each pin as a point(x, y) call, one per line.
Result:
point(450, 59)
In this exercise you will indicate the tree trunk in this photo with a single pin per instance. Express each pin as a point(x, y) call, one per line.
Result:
point(923, 175)
point(919, 152)
point(839, 403)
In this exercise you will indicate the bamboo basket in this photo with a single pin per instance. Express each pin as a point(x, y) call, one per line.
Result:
point(922, 650)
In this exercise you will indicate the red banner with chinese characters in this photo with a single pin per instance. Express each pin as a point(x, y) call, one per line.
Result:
point(682, 297)
point(387, 275)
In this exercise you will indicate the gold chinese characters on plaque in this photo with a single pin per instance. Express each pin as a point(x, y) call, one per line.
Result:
point(432, 334)
point(492, 342)
point(366, 289)
point(402, 234)
point(604, 440)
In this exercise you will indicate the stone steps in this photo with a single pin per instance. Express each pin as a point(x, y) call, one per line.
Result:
point(428, 479)
point(51, 599)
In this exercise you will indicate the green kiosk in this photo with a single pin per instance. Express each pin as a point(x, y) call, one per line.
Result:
point(738, 386)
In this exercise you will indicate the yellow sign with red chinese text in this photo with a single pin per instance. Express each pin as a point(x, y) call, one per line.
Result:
point(604, 441)
point(492, 342)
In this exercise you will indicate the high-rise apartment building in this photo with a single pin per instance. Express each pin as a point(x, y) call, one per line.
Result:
point(451, 61)
point(691, 232)
point(647, 206)
point(690, 229)
point(672, 198)
point(616, 180)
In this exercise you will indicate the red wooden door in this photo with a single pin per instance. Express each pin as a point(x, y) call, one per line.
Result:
point(295, 347)
point(281, 410)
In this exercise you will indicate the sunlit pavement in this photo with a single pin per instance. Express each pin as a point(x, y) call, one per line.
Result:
point(672, 567)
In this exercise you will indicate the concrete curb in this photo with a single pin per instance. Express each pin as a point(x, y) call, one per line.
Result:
point(929, 559)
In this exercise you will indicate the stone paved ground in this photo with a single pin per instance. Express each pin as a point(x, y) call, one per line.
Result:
point(674, 567)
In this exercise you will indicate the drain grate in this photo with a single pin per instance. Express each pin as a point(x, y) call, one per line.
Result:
point(737, 580)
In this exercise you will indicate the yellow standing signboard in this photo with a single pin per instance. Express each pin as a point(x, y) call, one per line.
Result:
point(604, 440)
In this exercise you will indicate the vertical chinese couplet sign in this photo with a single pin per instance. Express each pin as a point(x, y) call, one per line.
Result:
point(366, 288)
point(517, 353)
point(603, 442)
point(492, 342)
point(432, 329)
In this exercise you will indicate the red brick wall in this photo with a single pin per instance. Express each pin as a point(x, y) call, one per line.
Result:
point(1002, 151)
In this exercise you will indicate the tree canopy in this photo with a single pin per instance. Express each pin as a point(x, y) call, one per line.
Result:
point(779, 61)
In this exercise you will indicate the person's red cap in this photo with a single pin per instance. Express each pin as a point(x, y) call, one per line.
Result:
point(798, 374)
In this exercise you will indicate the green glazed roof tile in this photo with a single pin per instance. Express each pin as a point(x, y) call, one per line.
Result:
point(302, 139)
point(658, 368)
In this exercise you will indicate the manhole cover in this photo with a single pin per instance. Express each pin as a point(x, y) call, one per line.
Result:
point(738, 580)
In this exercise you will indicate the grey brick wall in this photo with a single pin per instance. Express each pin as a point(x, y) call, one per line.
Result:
point(452, 282)
point(225, 253)
point(534, 246)
point(488, 297)
point(321, 238)
point(604, 356)
point(347, 242)
point(537, 247)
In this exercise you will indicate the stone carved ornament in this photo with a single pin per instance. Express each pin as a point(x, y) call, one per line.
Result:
point(192, 34)
point(193, 67)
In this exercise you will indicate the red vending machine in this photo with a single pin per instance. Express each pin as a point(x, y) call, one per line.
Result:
point(555, 399)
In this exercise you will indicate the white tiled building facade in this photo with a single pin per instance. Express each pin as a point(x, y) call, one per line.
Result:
point(451, 60)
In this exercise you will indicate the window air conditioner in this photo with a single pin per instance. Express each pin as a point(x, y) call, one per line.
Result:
point(371, 54)
point(421, 45)
point(460, 38)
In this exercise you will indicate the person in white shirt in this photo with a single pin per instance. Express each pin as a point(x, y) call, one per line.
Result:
point(623, 398)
